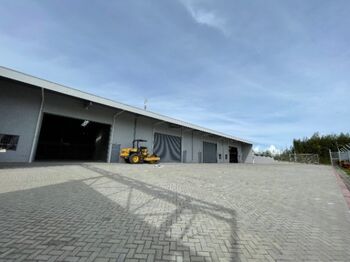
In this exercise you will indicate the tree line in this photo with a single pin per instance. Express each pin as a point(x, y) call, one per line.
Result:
point(316, 144)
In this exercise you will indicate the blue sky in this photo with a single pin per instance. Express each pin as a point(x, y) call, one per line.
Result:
point(268, 71)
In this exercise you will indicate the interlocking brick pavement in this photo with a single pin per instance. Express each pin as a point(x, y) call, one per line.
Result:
point(172, 212)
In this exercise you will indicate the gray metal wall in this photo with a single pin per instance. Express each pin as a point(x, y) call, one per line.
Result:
point(247, 153)
point(192, 141)
point(124, 130)
point(20, 106)
point(19, 109)
point(59, 104)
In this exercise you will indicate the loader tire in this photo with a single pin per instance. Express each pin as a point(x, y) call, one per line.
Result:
point(134, 159)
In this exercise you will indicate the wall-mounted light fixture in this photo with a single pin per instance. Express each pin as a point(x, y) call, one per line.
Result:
point(85, 123)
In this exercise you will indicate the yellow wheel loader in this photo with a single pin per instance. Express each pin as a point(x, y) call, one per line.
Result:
point(138, 154)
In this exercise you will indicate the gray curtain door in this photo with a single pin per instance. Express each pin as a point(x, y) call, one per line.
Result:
point(209, 152)
point(167, 147)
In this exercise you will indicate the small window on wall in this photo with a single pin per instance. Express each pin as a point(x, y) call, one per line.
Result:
point(8, 142)
point(226, 156)
point(219, 156)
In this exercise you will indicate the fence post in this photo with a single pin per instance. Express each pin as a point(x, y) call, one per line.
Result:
point(330, 156)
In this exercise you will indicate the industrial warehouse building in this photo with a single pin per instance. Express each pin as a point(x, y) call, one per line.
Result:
point(42, 121)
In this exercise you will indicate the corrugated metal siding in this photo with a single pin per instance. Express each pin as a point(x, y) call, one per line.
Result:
point(167, 147)
point(209, 152)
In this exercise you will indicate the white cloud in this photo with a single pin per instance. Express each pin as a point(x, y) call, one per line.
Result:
point(257, 149)
point(206, 17)
point(272, 149)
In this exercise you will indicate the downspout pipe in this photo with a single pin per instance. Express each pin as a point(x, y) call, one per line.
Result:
point(38, 123)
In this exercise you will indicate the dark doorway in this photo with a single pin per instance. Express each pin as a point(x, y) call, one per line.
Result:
point(233, 155)
point(64, 138)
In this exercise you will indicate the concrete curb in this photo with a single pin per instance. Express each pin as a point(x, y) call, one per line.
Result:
point(344, 189)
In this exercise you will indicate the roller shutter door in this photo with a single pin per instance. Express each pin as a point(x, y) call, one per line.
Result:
point(167, 147)
point(209, 152)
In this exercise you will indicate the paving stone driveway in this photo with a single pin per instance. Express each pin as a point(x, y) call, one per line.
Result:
point(189, 212)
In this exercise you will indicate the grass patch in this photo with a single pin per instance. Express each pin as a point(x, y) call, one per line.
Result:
point(347, 171)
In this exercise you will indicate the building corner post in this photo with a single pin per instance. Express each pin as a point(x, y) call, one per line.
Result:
point(111, 137)
point(38, 123)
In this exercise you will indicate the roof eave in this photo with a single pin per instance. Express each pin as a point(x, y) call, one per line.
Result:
point(35, 81)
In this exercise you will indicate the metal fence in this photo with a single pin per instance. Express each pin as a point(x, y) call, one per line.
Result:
point(340, 156)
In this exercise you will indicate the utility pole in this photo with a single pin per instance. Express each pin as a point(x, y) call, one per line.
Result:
point(145, 104)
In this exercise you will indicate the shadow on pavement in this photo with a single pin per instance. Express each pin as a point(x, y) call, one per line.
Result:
point(72, 220)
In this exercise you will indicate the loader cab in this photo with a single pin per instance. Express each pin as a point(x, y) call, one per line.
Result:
point(136, 143)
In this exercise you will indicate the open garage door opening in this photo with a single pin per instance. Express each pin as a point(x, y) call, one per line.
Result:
point(64, 138)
